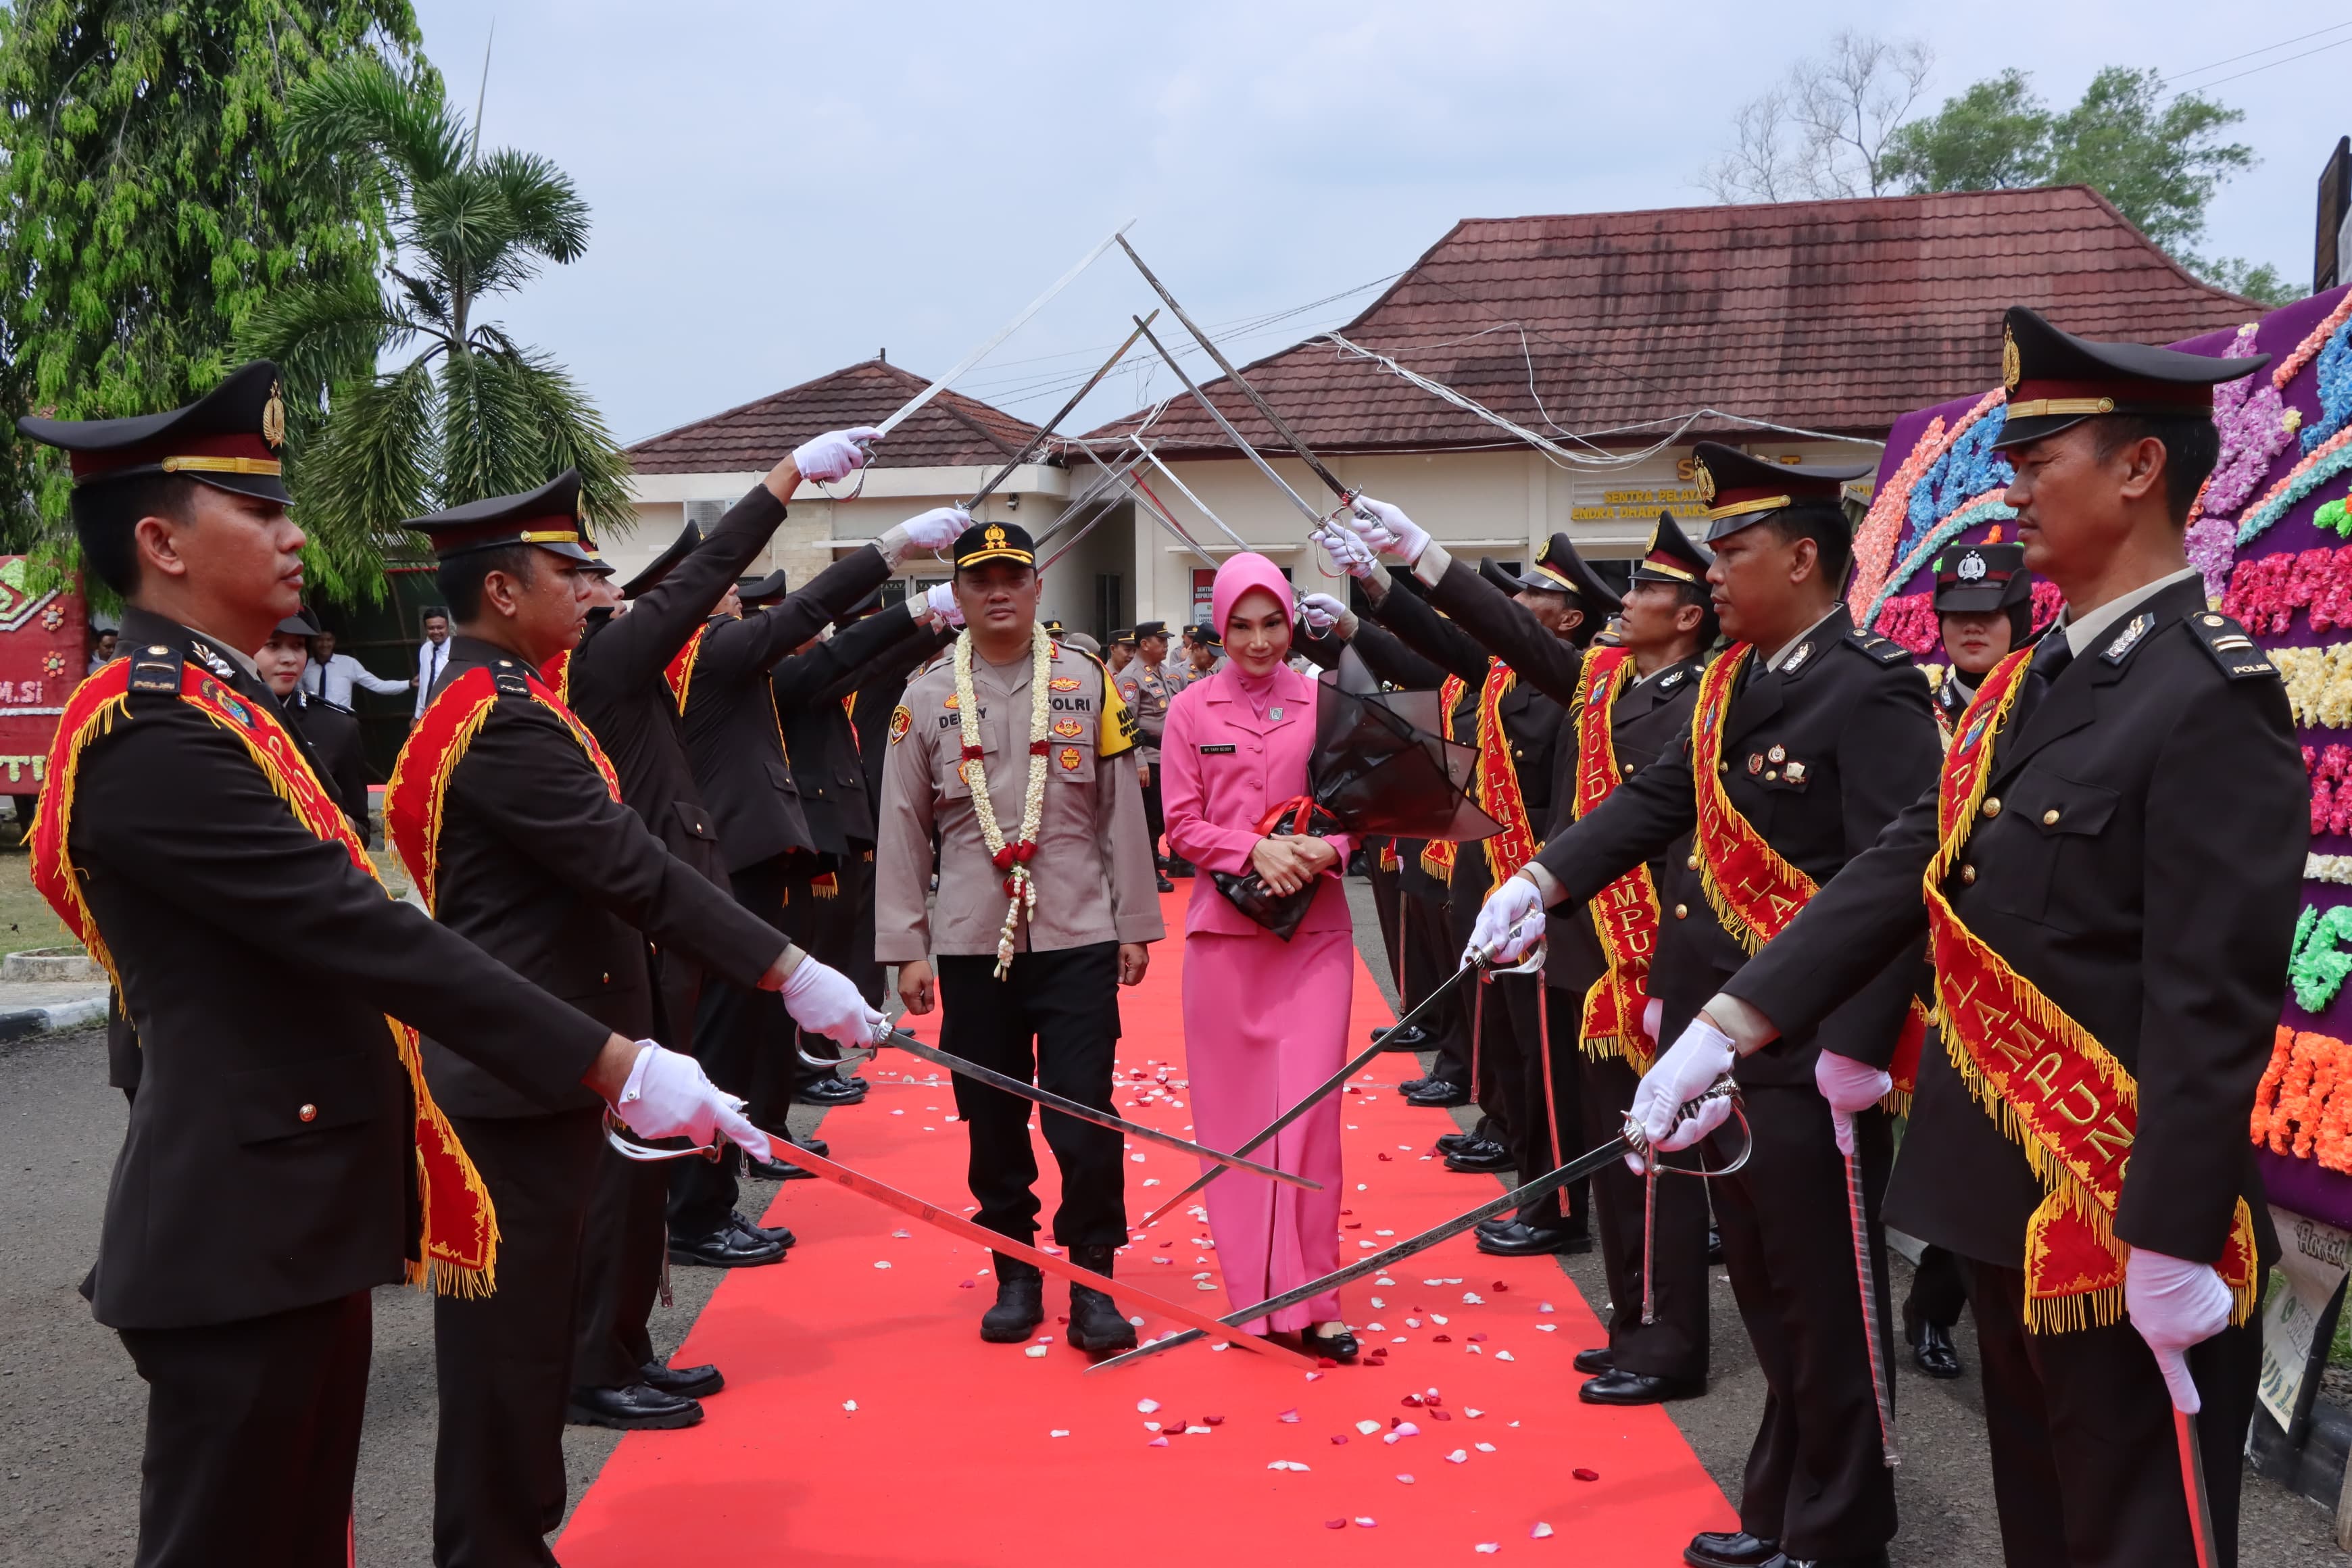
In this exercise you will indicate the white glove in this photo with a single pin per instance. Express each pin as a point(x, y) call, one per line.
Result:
point(1321, 611)
point(669, 1095)
point(1347, 553)
point(1851, 1087)
point(825, 1001)
point(1688, 1069)
point(1387, 529)
point(941, 597)
point(1501, 917)
point(2175, 1304)
point(836, 454)
point(938, 528)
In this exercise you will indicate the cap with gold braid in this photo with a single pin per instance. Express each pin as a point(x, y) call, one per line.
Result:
point(985, 542)
point(2055, 379)
point(1742, 491)
point(548, 516)
point(229, 438)
point(1561, 569)
point(1671, 557)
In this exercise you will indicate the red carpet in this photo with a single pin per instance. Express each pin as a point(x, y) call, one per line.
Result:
point(958, 1452)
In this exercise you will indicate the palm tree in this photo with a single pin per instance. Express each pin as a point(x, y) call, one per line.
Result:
point(474, 414)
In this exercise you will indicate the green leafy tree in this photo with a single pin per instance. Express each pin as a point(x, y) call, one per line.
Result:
point(474, 412)
point(2160, 161)
point(150, 200)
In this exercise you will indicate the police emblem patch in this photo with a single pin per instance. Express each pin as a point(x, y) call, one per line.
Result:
point(950, 702)
point(901, 722)
point(1071, 758)
point(1068, 728)
point(1971, 567)
point(1064, 683)
point(2012, 368)
point(2126, 639)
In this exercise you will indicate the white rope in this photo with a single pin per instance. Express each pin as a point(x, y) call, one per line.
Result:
point(1561, 455)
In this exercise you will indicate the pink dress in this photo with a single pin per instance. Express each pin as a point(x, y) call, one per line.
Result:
point(1265, 1020)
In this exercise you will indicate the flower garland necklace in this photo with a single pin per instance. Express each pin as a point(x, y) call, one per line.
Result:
point(1013, 859)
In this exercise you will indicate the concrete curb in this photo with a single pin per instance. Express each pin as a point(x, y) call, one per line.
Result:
point(23, 1023)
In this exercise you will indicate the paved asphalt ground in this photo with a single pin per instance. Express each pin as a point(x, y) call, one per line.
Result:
point(70, 1440)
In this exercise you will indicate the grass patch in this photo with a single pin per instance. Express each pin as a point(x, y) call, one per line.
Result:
point(26, 919)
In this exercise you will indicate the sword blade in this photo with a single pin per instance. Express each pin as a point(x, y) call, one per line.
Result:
point(957, 1225)
point(1866, 1277)
point(912, 405)
point(1103, 485)
point(1052, 1102)
point(1142, 497)
point(1231, 435)
point(1318, 1092)
point(1265, 409)
point(2192, 1486)
point(1047, 429)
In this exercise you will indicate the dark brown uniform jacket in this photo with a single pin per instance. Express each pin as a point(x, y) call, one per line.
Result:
point(226, 1204)
point(1851, 711)
point(818, 733)
point(332, 734)
point(2143, 870)
point(541, 866)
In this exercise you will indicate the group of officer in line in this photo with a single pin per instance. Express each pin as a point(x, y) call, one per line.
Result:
point(637, 812)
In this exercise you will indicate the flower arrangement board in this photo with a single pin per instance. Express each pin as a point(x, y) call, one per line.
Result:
point(2272, 534)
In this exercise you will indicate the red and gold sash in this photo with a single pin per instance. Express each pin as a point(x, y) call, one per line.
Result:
point(680, 673)
point(1625, 912)
point(2051, 1090)
point(420, 774)
point(460, 1248)
point(1498, 792)
point(556, 676)
point(1754, 891)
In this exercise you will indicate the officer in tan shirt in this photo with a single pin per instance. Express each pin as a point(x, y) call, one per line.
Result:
point(1041, 916)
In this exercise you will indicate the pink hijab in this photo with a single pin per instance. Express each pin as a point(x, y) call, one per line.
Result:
point(1236, 577)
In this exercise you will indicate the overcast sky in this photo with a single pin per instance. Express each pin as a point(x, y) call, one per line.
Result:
point(780, 189)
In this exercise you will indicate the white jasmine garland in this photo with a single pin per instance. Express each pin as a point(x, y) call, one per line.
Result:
point(1019, 884)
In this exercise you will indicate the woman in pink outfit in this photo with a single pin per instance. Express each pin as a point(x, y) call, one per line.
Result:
point(1265, 1020)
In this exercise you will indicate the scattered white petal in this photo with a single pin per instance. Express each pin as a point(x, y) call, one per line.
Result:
point(1059, 1432)
point(1135, 1323)
point(1036, 1352)
point(1383, 1280)
point(1546, 1305)
point(1290, 1414)
point(1483, 1448)
point(1152, 1425)
point(1284, 1465)
point(1474, 1415)
point(1406, 1479)
point(1157, 1443)
point(1222, 1345)
point(1433, 1281)
point(1546, 1328)
point(1150, 1181)
point(901, 1112)
point(1541, 1531)
point(1198, 1431)
point(1489, 1547)
point(1206, 1285)
point(1376, 1328)
point(1504, 1355)
point(1459, 1456)
point(902, 1235)
point(1475, 1350)
point(1472, 1299)
point(1378, 1302)
point(1146, 1406)
point(1514, 1423)
point(1366, 1522)
point(882, 1263)
point(1365, 1245)
point(1137, 1158)
point(1368, 1428)
point(1383, 1232)
point(1363, 1187)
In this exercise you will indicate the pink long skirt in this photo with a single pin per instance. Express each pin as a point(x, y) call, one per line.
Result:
point(1265, 1022)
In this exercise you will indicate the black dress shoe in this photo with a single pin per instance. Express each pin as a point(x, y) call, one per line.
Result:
point(1618, 1386)
point(775, 1233)
point(1932, 1348)
point(827, 1089)
point(1520, 1239)
point(1407, 1086)
point(1600, 1358)
point(816, 1146)
point(1340, 1347)
point(774, 1171)
point(636, 1408)
point(1166, 886)
point(1020, 1303)
point(681, 1382)
point(1497, 1223)
point(1449, 1142)
point(1480, 1154)
point(726, 1248)
point(1436, 1094)
point(1729, 1549)
point(1393, 1039)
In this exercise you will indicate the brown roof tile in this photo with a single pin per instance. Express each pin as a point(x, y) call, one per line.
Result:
point(951, 430)
point(1833, 316)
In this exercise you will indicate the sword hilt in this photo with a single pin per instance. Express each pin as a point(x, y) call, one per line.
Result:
point(1638, 1141)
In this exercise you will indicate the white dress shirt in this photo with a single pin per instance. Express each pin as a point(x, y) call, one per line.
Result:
point(432, 658)
point(334, 680)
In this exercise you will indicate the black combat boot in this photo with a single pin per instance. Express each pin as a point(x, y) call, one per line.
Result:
point(1095, 1321)
point(1020, 1301)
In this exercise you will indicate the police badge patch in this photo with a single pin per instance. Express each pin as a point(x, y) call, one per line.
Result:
point(901, 721)
point(1071, 758)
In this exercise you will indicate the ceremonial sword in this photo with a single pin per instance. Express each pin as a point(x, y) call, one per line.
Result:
point(1584, 1165)
point(1866, 1277)
point(1235, 436)
point(1047, 428)
point(1052, 1102)
point(1443, 989)
point(1265, 409)
point(2193, 1475)
point(955, 1225)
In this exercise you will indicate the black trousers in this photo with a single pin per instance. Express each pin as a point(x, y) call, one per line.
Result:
point(253, 1436)
point(1816, 1478)
point(1430, 951)
point(1155, 818)
point(1674, 1344)
point(1939, 1289)
point(740, 1032)
point(863, 969)
point(503, 1362)
point(2085, 1465)
point(624, 1246)
point(1386, 899)
point(1053, 1020)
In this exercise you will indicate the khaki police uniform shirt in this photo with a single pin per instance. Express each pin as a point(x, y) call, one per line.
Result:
point(1093, 865)
point(1147, 692)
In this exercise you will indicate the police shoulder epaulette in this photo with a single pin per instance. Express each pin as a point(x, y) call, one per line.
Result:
point(510, 678)
point(2240, 656)
point(1885, 650)
point(156, 668)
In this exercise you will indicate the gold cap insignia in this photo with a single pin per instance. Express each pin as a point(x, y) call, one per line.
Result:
point(273, 418)
point(995, 537)
point(1706, 485)
point(2012, 368)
